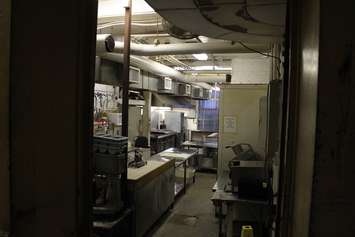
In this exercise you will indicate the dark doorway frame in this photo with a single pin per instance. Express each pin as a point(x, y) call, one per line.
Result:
point(5, 9)
point(52, 63)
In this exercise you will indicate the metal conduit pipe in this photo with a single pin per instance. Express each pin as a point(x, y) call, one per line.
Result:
point(190, 48)
point(104, 43)
point(209, 79)
point(159, 69)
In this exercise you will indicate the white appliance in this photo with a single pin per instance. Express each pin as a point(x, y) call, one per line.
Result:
point(241, 119)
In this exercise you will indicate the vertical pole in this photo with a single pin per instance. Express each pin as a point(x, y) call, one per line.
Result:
point(147, 114)
point(126, 64)
point(185, 167)
point(125, 87)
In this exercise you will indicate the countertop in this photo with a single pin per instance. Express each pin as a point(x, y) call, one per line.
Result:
point(139, 176)
point(200, 144)
point(158, 134)
point(175, 154)
point(221, 195)
point(156, 165)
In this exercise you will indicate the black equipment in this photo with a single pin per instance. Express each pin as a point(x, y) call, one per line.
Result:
point(110, 157)
point(247, 173)
point(141, 142)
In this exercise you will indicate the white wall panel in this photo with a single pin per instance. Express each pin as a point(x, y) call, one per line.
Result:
point(251, 69)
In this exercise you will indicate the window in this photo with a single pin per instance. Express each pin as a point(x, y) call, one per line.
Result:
point(208, 113)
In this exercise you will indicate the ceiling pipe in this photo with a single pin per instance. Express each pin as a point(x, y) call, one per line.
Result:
point(190, 48)
point(104, 43)
point(158, 69)
point(209, 79)
point(221, 72)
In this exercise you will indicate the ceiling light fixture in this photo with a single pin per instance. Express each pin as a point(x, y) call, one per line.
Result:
point(201, 56)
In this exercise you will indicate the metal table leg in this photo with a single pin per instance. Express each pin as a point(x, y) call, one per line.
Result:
point(220, 219)
point(185, 176)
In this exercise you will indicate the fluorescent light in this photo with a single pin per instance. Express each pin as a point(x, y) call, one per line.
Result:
point(179, 68)
point(112, 8)
point(201, 56)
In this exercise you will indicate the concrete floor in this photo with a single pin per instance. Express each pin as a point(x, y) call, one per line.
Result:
point(193, 213)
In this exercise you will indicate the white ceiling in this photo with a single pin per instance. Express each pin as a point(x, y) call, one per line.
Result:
point(110, 8)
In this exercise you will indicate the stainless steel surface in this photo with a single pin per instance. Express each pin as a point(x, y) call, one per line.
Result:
point(104, 43)
point(184, 161)
point(152, 200)
point(174, 121)
point(207, 163)
point(207, 157)
point(200, 144)
point(231, 208)
point(175, 153)
point(163, 100)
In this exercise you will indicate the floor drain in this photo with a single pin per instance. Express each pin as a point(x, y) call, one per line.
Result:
point(184, 220)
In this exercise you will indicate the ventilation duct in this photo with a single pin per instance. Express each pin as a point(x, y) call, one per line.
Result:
point(155, 68)
point(177, 32)
point(104, 43)
point(209, 79)
point(235, 20)
point(161, 100)
point(189, 48)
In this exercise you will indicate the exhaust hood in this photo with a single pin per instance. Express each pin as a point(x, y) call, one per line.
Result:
point(163, 100)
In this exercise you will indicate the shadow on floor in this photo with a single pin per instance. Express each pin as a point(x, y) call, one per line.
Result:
point(192, 214)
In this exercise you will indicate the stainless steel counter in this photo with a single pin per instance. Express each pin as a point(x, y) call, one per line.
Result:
point(181, 157)
point(200, 144)
point(208, 153)
point(231, 208)
point(151, 190)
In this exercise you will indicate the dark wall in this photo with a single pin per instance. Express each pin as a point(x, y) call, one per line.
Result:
point(323, 85)
point(52, 75)
point(333, 198)
point(4, 115)
point(300, 151)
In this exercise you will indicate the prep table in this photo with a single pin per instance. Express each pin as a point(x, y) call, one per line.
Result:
point(181, 157)
point(150, 190)
point(207, 159)
point(230, 208)
point(200, 144)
